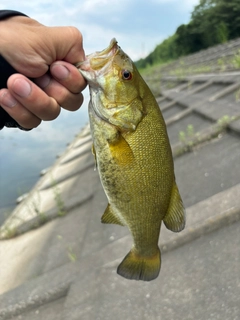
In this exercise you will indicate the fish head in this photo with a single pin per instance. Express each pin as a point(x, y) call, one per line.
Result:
point(115, 87)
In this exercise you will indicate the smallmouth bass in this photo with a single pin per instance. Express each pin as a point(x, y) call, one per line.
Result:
point(133, 157)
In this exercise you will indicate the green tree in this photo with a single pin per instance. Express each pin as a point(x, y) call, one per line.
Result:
point(229, 13)
point(212, 22)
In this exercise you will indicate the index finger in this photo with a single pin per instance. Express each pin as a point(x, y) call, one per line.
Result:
point(68, 75)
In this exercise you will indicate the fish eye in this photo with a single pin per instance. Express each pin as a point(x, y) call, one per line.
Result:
point(126, 75)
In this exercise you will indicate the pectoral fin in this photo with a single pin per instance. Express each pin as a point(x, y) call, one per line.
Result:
point(174, 220)
point(121, 151)
point(110, 217)
point(94, 154)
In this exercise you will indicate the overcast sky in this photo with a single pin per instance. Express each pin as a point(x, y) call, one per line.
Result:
point(138, 25)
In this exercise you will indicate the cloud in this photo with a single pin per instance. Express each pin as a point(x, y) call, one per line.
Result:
point(138, 25)
point(184, 3)
point(100, 6)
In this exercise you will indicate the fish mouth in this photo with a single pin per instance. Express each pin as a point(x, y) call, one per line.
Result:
point(99, 59)
point(110, 49)
point(95, 65)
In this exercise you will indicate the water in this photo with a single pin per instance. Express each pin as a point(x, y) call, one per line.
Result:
point(25, 154)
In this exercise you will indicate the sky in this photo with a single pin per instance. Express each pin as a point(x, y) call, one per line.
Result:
point(138, 25)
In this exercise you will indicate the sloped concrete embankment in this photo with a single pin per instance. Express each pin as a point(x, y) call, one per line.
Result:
point(66, 269)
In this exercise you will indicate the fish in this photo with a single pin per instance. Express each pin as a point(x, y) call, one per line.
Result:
point(133, 157)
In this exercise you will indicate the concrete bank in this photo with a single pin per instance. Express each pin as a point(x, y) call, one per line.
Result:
point(59, 262)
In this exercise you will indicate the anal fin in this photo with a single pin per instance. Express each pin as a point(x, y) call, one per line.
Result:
point(110, 217)
point(174, 220)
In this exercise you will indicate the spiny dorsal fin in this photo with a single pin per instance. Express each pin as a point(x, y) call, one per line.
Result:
point(175, 217)
point(110, 217)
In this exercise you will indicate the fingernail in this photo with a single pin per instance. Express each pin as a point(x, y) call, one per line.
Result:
point(59, 71)
point(7, 100)
point(22, 88)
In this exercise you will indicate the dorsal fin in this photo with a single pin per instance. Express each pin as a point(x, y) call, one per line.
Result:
point(174, 220)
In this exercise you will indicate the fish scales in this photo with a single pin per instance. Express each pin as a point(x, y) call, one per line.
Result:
point(133, 157)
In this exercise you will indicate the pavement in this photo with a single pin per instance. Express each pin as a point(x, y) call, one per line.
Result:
point(59, 262)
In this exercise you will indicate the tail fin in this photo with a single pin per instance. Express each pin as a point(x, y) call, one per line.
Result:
point(137, 267)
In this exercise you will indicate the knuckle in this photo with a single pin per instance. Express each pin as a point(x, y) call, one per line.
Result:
point(50, 111)
point(76, 33)
point(74, 103)
point(28, 121)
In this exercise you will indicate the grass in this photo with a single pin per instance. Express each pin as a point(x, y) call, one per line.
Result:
point(10, 232)
point(184, 135)
point(36, 204)
point(180, 69)
point(71, 255)
point(224, 121)
point(237, 95)
point(34, 208)
point(188, 139)
point(155, 68)
point(236, 60)
point(70, 252)
point(222, 64)
point(58, 199)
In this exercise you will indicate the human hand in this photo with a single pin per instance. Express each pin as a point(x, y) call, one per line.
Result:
point(31, 48)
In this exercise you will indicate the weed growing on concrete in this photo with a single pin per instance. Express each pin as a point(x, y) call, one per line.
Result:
point(9, 232)
point(35, 207)
point(237, 95)
point(190, 130)
point(221, 63)
point(190, 85)
point(70, 253)
point(58, 199)
point(72, 256)
point(224, 121)
point(184, 135)
point(236, 60)
point(170, 84)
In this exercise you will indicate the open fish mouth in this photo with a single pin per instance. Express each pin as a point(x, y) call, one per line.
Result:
point(95, 65)
point(99, 59)
point(110, 49)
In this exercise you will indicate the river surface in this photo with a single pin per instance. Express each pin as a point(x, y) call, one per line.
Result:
point(23, 155)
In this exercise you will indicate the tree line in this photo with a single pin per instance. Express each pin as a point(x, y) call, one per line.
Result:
point(212, 22)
